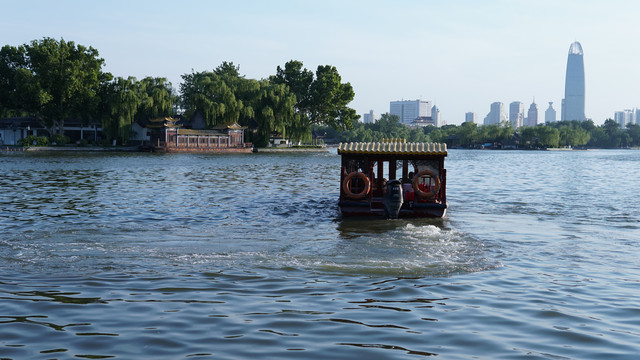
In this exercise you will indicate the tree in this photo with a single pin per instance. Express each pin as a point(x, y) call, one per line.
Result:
point(121, 99)
point(14, 73)
point(634, 134)
point(218, 95)
point(298, 80)
point(322, 100)
point(66, 80)
point(274, 111)
point(612, 130)
point(548, 136)
point(156, 98)
point(467, 133)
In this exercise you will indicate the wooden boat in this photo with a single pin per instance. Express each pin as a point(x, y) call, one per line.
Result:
point(416, 186)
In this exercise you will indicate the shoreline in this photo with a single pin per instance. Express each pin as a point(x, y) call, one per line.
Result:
point(283, 150)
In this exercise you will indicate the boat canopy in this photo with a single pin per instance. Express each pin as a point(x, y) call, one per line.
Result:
point(392, 148)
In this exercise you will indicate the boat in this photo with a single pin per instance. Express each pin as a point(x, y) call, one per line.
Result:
point(416, 186)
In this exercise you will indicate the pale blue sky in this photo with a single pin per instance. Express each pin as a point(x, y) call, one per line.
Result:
point(463, 55)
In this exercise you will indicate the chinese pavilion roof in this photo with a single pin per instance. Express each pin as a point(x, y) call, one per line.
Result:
point(163, 122)
point(232, 126)
point(392, 148)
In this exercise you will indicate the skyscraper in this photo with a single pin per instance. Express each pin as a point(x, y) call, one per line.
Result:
point(516, 114)
point(550, 114)
point(573, 102)
point(496, 115)
point(435, 115)
point(470, 117)
point(532, 115)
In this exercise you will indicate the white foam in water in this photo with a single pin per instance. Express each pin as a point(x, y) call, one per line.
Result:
point(409, 250)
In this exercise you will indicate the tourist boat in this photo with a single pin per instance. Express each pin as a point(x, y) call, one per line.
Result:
point(416, 186)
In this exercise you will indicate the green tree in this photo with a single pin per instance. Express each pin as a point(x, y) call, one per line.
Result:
point(207, 94)
point(121, 100)
point(634, 134)
point(467, 134)
point(613, 133)
point(299, 81)
point(323, 100)
point(219, 96)
point(156, 98)
point(274, 111)
point(14, 73)
point(67, 80)
point(528, 136)
point(548, 136)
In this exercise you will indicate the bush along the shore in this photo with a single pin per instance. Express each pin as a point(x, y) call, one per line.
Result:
point(32, 140)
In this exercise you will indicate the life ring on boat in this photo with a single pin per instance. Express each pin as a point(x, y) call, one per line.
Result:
point(428, 194)
point(346, 185)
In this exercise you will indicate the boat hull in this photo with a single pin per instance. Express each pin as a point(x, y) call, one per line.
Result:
point(377, 209)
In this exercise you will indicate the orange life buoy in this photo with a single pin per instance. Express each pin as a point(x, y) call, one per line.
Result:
point(422, 194)
point(346, 185)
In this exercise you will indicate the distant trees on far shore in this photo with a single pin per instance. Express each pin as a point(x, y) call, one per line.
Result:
point(56, 80)
point(470, 135)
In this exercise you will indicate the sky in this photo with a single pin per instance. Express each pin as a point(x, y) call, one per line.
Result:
point(461, 55)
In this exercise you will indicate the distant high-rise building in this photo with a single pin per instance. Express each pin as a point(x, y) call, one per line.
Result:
point(435, 115)
point(470, 117)
point(516, 114)
point(410, 110)
point(496, 115)
point(573, 102)
point(624, 117)
point(550, 114)
point(532, 115)
point(637, 116)
point(369, 118)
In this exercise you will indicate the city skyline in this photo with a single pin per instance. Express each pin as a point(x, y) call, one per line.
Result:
point(461, 55)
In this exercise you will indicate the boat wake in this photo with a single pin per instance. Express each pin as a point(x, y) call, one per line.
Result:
point(398, 248)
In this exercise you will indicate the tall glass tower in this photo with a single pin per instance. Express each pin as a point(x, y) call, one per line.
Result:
point(573, 102)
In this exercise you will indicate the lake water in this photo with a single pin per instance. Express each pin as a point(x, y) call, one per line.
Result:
point(148, 256)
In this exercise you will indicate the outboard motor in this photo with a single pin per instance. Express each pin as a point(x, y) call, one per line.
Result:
point(393, 199)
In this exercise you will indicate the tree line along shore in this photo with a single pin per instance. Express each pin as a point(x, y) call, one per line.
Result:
point(569, 134)
point(56, 80)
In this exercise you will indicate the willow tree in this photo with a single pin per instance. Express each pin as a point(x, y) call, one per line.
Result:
point(274, 110)
point(156, 98)
point(222, 96)
point(122, 98)
point(207, 94)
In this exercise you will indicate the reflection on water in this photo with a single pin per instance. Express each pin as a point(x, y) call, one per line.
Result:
point(227, 256)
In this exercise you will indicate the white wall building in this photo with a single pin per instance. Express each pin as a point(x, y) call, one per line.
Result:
point(410, 110)
point(369, 117)
point(624, 117)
